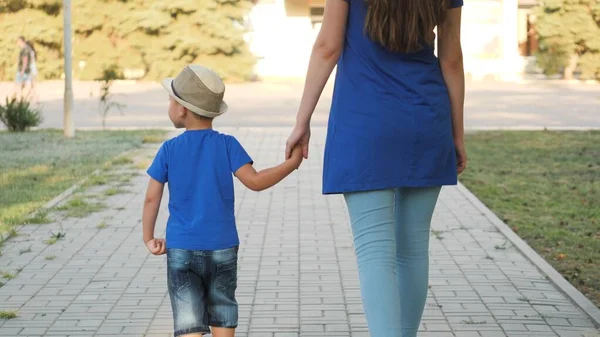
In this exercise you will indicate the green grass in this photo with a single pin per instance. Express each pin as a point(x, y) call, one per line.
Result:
point(96, 180)
point(102, 225)
point(472, 321)
point(40, 165)
point(122, 161)
point(54, 237)
point(78, 207)
point(546, 187)
point(50, 258)
point(153, 139)
point(40, 217)
point(7, 275)
point(8, 314)
point(114, 191)
point(437, 234)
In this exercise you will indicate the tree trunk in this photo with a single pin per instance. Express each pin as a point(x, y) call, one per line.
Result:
point(570, 68)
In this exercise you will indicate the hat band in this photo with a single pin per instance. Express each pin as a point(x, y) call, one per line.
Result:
point(175, 91)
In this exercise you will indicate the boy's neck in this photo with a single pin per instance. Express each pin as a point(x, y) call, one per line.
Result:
point(196, 124)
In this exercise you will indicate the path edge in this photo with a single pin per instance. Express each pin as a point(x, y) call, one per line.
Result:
point(554, 276)
point(55, 201)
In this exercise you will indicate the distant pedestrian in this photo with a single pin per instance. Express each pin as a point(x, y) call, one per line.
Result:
point(26, 68)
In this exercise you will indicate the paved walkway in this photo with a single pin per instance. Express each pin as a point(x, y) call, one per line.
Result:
point(298, 275)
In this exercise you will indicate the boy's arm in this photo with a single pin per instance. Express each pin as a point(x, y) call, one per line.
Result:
point(152, 201)
point(258, 181)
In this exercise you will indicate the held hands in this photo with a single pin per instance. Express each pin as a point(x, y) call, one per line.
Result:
point(156, 246)
point(296, 156)
point(299, 137)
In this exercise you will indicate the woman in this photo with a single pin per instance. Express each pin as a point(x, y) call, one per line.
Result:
point(27, 68)
point(34, 71)
point(395, 136)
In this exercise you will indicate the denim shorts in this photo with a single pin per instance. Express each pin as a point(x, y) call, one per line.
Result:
point(23, 78)
point(202, 288)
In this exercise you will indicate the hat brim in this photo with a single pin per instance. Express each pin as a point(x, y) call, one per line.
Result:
point(166, 83)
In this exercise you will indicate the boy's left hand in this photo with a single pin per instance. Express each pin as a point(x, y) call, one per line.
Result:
point(156, 246)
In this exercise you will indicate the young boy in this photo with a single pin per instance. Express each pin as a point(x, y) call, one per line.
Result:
point(201, 239)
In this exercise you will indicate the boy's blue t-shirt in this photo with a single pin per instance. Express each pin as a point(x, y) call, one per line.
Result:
point(198, 167)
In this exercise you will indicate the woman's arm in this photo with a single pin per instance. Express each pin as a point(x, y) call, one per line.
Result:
point(451, 62)
point(325, 54)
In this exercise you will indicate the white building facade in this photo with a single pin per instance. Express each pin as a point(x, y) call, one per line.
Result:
point(283, 32)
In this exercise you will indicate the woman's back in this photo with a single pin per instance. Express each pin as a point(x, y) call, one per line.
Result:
point(410, 78)
point(390, 123)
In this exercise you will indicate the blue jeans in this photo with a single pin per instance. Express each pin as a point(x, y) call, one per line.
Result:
point(202, 288)
point(391, 239)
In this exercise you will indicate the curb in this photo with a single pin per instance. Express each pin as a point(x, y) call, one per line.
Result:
point(555, 277)
point(55, 201)
point(531, 128)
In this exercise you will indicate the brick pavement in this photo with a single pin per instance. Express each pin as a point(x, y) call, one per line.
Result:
point(297, 276)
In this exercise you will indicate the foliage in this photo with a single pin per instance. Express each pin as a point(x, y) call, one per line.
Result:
point(18, 115)
point(150, 38)
point(106, 98)
point(569, 37)
point(546, 187)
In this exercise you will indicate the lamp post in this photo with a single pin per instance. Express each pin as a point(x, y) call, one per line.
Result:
point(69, 127)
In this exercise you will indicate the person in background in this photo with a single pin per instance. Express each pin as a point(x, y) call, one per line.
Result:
point(25, 65)
point(395, 137)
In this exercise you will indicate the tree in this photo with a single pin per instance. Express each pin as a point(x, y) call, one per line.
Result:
point(156, 38)
point(569, 37)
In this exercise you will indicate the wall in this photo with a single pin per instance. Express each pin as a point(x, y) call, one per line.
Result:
point(282, 40)
point(283, 37)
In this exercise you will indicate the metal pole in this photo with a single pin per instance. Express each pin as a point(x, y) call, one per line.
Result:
point(69, 127)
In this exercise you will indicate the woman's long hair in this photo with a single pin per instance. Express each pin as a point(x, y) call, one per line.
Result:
point(404, 25)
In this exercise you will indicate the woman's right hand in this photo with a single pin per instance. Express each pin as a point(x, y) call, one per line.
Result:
point(461, 155)
point(300, 136)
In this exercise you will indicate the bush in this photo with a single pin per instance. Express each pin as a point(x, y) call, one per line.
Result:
point(18, 115)
point(142, 38)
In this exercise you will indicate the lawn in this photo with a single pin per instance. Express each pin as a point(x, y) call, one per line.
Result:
point(37, 166)
point(546, 186)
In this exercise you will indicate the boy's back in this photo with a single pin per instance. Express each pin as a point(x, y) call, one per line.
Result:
point(202, 237)
point(198, 167)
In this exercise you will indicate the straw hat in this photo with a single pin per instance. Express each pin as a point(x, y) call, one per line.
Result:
point(198, 89)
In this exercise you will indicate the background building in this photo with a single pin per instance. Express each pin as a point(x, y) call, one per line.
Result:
point(498, 37)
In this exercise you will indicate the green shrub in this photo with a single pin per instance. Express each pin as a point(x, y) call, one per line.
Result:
point(18, 115)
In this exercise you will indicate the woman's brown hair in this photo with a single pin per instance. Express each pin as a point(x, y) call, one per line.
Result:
point(403, 25)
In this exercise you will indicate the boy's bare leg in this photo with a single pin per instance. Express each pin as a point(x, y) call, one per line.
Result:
point(223, 332)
